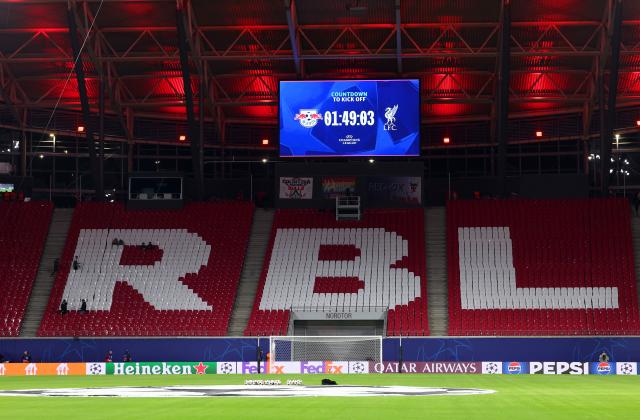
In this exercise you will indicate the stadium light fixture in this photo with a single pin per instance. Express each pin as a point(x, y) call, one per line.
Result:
point(41, 156)
point(80, 129)
point(265, 160)
point(265, 142)
point(638, 123)
point(182, 137)
point(371, 160)
point(538, 133)
point(446, 140)
point(16, 144)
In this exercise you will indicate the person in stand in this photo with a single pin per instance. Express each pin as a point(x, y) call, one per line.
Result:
point(56, 266)
point(121, 242)
point(83, 307)
point(126, 357)
point(604, 357)
point(109, 357)
point(1, 358)
point(115, 242)
point(76, 264)
point(64, 307)
point(26, 357)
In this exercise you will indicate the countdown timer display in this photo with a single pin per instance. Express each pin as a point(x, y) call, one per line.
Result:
point(324, 118)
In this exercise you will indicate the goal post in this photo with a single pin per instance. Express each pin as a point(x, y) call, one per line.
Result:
point(325, 348)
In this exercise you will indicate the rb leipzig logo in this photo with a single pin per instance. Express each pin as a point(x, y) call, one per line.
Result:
point(308, 117)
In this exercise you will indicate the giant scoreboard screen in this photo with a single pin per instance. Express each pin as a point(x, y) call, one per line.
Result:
point(324, 118)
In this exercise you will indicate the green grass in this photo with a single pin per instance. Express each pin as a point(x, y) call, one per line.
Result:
point(517, 397)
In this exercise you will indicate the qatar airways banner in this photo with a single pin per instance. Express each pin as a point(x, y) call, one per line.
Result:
point(426, 367)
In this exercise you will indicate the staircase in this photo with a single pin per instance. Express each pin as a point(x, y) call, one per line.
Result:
point(635, 232)
point(437, 285)
point(256, 250)
point(53, 247)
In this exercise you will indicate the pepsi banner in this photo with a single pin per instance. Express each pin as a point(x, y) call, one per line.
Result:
point(323, 118)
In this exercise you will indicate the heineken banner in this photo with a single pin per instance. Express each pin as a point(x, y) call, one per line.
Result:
point(161, 368)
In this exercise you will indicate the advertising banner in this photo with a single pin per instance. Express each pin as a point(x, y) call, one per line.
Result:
point(41, 369)
point(492, 368)
point(335, 186)
point(602, 368)
point(161, 368)
point(426, 367)
point(559, 368)
point(515, 368)
point(626, 368)
point(292, 188)
point(306, 367)
point(400, 189)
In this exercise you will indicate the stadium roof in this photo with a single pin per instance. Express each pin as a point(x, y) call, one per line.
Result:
point(240, 49)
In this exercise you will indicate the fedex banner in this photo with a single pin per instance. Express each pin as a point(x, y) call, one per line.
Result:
point(311, 367)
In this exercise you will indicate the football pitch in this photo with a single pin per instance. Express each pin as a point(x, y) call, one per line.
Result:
point(516, 397)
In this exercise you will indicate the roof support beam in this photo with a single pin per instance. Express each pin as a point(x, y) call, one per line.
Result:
point(398, 38)
point(606, 131)
point(110, 77)
point(84, 101)
point(292, 23)
point(502, 94)
point(194, 134)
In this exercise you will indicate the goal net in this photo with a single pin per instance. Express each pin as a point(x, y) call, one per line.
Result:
point(326, 348)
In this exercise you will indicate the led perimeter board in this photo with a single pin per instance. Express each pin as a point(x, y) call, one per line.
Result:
point(324, 118)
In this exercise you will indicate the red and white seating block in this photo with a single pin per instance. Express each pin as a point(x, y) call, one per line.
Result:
point(23, 231)
point(315, 262)
point(185, 284)
point(527, 267)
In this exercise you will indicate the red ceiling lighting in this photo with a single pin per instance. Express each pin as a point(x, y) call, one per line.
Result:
point(80, 129)
point(446, 140)
point(182, 137)
point(638, 123)
point(265, 142)
point(538, 133)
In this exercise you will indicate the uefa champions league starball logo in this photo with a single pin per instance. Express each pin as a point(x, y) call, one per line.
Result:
point(491, 368)
point(357, 367)
point(626, 369)
point(226, 368)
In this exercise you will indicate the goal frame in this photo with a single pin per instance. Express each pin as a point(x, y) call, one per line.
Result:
point(309, 338)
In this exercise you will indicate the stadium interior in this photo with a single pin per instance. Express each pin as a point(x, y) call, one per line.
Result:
point(448, 177)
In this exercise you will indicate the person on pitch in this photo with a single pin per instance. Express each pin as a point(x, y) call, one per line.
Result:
point(604, 357)
point(26, 357)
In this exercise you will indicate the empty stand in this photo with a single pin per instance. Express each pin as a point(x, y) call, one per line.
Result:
point(541, 267)
point(23, 229)
point(315, 262)
point(183, 284)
